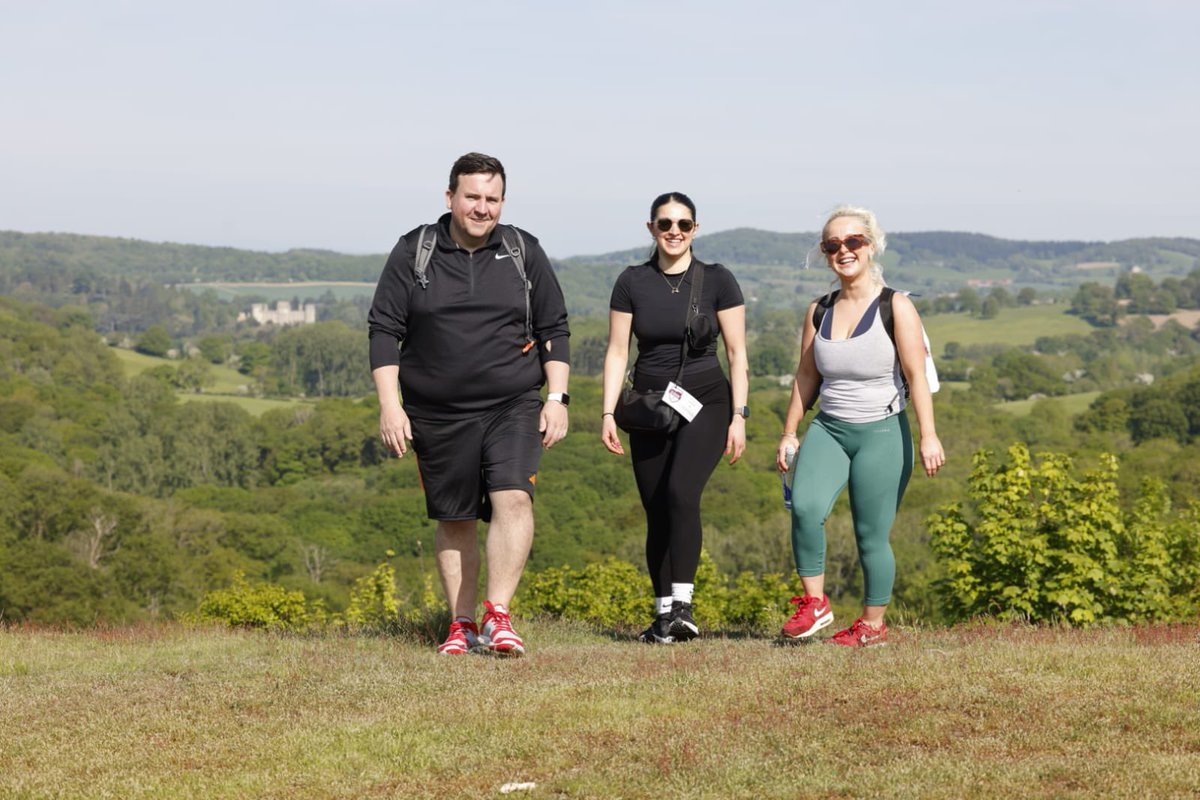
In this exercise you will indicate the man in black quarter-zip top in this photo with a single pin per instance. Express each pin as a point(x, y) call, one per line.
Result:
point(468, 323)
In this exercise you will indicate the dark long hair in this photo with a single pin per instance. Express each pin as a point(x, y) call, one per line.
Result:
point(662, 200)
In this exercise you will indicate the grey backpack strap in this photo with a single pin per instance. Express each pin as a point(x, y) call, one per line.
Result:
point(425, 245)
point(517, 251)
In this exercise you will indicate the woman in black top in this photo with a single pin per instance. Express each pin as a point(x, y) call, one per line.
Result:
point(650, 301)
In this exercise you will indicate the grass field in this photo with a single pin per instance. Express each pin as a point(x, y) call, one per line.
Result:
point(1070, 404)
point(978, 711)
point(1012, 326)
point(256, 406)
point(226, 385)
point(225, 380)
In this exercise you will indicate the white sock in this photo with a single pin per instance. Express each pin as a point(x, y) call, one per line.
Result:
point(682, 591)
point(663, 604)
point(503, 609)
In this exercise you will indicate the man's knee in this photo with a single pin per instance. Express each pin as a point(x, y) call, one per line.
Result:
point(456, 530)
point(511, 504)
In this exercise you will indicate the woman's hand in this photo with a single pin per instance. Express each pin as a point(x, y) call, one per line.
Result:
point(609, 437)
point(735, 439)
point(785, 441)
point(933, 457)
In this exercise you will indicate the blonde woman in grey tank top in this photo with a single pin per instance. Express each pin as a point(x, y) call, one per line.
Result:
point(861, 438)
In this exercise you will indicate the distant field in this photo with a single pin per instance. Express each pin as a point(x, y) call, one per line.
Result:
point(1070, 404)
point(305, 290)
point(226, 380)
point(227, 386)
point(256, 406)
point(977, 711)
point(1015, 326)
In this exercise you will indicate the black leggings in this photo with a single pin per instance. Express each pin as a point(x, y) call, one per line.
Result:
point(671, 472)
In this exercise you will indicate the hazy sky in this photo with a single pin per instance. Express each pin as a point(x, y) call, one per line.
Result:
point(271, 125)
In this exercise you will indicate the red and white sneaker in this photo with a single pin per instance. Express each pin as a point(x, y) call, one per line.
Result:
point(812, 614)
point(498, 634)
point(463, 638)
point(860, 634)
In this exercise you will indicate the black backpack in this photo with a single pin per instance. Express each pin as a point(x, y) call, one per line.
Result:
point(427, 241)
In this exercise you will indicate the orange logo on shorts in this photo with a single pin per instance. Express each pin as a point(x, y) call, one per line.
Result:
point(533, 479)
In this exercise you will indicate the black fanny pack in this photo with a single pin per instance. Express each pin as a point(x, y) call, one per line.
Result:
point(644, 410)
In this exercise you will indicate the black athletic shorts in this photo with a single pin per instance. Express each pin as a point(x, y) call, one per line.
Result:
point(461, 460)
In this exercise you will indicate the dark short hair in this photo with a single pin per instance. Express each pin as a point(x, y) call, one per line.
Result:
point(477, 164)
point(672, 197)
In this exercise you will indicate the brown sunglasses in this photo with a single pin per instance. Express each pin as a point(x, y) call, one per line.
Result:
point(665, 225)
point(853, 242)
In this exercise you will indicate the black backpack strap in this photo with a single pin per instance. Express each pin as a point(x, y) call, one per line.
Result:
point(824, 303)
point(426, 242)
point(516, 249)
point(885, 312)
point(889, 325)
point(692, 310)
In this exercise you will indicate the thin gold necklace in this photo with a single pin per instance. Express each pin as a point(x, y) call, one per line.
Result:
point(675, 286)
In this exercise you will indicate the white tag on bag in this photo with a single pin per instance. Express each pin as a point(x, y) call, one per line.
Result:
point(678, 398)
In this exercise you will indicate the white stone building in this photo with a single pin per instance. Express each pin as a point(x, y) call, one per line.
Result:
point(283, 314)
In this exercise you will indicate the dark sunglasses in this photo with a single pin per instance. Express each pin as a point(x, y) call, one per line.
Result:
point(852, 242)
point(665, 225)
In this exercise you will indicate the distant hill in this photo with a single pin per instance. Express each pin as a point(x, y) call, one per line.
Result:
point(164, 262)
point(769, 265)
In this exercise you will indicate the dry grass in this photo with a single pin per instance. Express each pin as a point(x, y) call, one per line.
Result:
point(979, 711)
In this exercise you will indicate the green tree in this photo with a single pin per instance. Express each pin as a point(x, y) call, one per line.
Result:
point(1153, 414)
point(321, 360)
point(253, 358)
point(154, 341)
point(1096, 303)
point(193, 374)
point(215, 349)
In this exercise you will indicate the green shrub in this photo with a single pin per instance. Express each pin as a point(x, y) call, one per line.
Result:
point(616, 594)
point(609, 593)
point(373, 600)
point(1039, 544)
point(259, 605)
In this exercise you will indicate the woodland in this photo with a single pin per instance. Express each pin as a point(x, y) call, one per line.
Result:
point(154, 449)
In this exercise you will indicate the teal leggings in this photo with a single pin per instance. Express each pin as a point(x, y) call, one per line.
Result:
point(876, 459)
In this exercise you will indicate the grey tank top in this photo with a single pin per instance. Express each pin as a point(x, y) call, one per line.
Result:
point(860, 376)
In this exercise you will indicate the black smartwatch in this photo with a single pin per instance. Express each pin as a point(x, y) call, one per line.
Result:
point(743, 412)
point(561, 397)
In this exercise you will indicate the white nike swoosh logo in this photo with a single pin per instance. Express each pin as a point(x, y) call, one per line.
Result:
point(503, 255)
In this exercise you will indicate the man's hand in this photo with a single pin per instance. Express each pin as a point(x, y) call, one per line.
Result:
point(394, 429)
point(552, 423)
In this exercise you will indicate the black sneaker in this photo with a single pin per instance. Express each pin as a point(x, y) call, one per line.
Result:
point(683, 627)
point(659, 631)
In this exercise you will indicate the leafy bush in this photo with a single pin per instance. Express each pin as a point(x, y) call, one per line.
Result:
point(259, 605)
point(608, 593)
point(614, 593)
point(373, 600)
point(1040, 544)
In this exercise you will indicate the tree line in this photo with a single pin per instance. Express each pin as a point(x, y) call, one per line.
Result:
point(118, 502)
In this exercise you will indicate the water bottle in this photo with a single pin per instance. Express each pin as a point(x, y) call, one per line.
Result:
point(789, 457)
